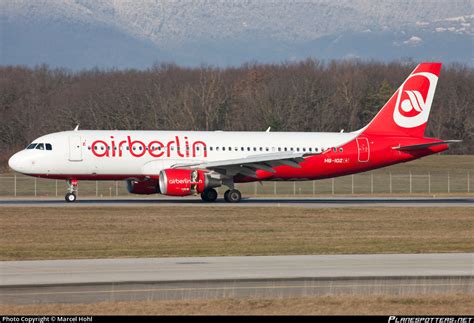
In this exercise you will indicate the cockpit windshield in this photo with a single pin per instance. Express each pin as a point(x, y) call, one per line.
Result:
point(40, 146)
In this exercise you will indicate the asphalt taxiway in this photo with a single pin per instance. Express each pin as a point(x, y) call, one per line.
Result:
point(92, 280)
point(249, 202)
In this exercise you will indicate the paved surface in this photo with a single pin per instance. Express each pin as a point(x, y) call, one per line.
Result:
point(277, 276)
point(250, 202)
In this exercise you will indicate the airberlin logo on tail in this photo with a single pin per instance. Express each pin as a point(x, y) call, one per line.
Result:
point(414, 99)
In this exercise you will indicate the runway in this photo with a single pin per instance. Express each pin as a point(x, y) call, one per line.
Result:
point(249, 202)
point(24, 282)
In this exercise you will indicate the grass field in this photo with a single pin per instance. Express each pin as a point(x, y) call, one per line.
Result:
point(109, 232)
point(458, 304)
point(440, 174)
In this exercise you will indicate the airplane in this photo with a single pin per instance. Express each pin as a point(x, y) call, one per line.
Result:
point(182, 163)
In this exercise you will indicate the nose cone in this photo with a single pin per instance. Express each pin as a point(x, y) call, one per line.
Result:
point(13, 162)
point(18, 162)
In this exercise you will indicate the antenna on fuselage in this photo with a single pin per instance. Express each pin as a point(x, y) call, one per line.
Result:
point(268, 130)
point(77, 127)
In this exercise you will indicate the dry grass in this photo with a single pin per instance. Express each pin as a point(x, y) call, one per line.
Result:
point(110, 232)
point(438, 166)
point(459, 304)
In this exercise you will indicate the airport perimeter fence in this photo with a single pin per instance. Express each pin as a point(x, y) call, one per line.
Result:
point(461, 182)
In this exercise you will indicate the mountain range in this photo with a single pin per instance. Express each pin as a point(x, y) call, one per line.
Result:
point(79, 34)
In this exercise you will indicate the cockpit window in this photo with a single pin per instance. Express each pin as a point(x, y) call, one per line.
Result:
point(49, 147)
point(31, 146)
point(40, 147)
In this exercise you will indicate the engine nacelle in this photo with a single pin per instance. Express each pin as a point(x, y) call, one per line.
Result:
point(144, 187)
point(182, 182)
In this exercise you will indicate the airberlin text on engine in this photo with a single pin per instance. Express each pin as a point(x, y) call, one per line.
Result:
point(154, 148)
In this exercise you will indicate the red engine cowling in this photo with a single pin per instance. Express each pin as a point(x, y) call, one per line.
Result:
point(144, 187)
point(182, 182)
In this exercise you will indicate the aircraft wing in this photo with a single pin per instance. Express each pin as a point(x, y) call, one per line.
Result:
point(249, 165)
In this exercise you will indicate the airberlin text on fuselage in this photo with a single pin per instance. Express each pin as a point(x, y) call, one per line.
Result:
point(155, 148)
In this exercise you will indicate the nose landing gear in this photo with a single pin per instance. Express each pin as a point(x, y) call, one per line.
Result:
point(72, 190)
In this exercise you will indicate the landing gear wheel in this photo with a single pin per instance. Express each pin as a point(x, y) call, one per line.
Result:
point(70, 197)
point(209, 195)
point(232, 196)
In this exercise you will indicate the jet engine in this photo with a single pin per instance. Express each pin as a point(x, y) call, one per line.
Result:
point(144, 187)
point(182, 182)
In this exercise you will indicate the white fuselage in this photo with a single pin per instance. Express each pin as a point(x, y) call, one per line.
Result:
point(113, 152)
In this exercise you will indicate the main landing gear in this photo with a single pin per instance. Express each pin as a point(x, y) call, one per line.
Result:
point(71, 196)
point(209, 195)
point(231, 196)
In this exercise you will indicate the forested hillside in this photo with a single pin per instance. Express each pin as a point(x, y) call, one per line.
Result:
point(305, 96)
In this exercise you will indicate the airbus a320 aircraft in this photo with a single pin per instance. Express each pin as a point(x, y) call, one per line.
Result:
point(181, 163)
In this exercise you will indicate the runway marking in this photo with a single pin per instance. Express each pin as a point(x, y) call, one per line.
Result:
point(224, 288)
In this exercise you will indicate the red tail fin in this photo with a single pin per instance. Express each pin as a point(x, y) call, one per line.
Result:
point(407, 111)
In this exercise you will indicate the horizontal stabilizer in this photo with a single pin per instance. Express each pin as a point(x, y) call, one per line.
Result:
point(426, 145)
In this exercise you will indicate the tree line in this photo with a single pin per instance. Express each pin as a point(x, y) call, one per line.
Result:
point(304, 96)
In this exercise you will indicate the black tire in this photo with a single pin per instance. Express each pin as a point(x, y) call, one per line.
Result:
point(209, 195)
point(233, 196)
point(70, 197)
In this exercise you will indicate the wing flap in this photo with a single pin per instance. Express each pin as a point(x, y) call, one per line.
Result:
point(248, 166)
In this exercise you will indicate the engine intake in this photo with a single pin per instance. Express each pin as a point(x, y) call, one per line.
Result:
point(182, 182)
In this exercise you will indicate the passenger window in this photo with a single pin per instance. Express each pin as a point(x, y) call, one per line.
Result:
point(304, 149)
point(223, 148)
point(341, 150)
point(254, 148)
point(31, 146)
point(310, 149)
point(267, 149)
point(248, 148)
point(334, 149)
point(279, 148)
point(286, 149)
point(40, 147)
point(49, 147)
point(298, 149)
point(230, 148)
point(261, 148)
